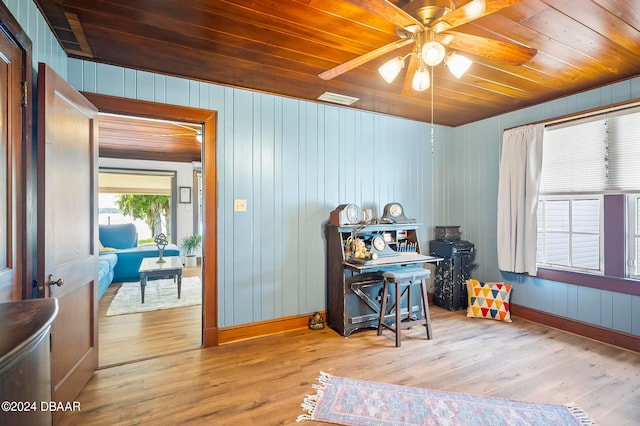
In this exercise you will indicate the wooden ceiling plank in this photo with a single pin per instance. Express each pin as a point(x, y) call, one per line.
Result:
point(280, 46)
point(220, 38)
point(625, 10)
point(579, 38)
point(568, 64)
point(600, 20)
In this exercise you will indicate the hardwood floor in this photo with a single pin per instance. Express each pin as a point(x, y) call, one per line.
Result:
point(263, 381)
point(133, 337)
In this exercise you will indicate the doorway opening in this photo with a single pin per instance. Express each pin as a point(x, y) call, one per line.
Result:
point(207, 120)
point(154, 196)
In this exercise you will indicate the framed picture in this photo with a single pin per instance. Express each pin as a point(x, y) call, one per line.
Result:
point(185, 194)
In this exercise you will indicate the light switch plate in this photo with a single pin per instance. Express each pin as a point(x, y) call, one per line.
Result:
point(239, 205)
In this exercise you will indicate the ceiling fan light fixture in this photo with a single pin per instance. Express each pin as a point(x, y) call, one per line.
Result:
point(390, 69)
point(421, 81)
point(433, 53)
point(475, 8)
point(458, 64)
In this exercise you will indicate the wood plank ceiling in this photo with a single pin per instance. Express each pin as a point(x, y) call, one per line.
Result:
point(281, 46)
point(148, 139)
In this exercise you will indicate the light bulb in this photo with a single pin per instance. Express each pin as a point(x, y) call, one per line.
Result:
point(475, 8)
point(432, 53)
point(390, 69)
point(458, 64)
point(421, 80)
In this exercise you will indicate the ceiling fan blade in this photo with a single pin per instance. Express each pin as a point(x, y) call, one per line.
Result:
point(389, 12)
point(407, 88)
point(502, 51)
point(363, 59)
point(469, 12)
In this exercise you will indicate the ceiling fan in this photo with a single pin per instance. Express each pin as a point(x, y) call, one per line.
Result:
point(428, 24)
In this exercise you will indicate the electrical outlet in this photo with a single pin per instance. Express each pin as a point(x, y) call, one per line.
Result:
point(239, 205)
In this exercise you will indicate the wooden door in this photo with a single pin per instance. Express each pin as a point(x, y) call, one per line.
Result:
point(67, 228)
point(11, 188)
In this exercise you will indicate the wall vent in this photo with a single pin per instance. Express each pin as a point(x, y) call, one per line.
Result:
point(337, 98)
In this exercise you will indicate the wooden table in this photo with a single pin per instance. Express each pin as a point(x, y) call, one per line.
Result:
point(172, 267)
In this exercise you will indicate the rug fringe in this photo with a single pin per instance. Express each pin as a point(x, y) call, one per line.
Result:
point(311, 401)
point(580, 415)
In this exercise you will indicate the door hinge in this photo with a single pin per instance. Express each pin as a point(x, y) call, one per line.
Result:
point(24, 91)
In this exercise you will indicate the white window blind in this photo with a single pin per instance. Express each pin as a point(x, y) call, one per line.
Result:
point(624, 152)
point(574, 157)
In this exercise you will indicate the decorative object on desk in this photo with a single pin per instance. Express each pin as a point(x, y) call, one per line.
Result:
point(190, 244)
point(159, 294)
point(359, 251)
point(368, 215)
point(161, 242)
point(488, 300)
point(346, 214)
point(316, 322)
point(447, 233)
point(352, 402)
point(185, 195)
point(394, 213)
point(380, 248)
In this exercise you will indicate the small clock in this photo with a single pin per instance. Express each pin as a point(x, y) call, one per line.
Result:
point(346, 214)
point(393, 212)
point(378, 243)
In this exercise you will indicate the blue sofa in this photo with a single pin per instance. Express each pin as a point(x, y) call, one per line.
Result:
point(106, 265)
point(122, 241)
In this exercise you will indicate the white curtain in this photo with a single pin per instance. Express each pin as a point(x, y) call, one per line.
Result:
point(520, 167)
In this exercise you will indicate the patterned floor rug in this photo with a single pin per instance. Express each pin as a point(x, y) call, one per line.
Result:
point(355, 402)
point(159, 294)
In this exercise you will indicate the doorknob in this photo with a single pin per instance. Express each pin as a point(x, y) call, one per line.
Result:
point(57, 282)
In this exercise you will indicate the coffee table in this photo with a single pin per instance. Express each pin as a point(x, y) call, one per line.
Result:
point(150, 268)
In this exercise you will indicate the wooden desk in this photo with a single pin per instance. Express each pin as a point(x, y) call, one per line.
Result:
point(402, 259)
point(354, 288)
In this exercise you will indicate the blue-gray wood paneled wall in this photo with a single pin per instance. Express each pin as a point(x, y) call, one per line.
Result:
point(293, 161)
point(466, 166)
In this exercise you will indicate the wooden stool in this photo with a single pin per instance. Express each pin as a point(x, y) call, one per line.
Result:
point(404, 277)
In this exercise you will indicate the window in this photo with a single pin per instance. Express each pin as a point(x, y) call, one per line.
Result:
point(570, 233)
point(585, 162)
point(147, 195)
point(633, 244)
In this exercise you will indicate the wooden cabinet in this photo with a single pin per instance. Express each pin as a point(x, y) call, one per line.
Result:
point(354, 286)
point(25, 374)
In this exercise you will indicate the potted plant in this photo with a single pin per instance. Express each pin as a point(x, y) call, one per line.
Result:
point(190, 244)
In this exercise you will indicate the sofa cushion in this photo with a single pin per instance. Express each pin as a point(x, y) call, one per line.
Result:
point(106, 267)
point(120, 236)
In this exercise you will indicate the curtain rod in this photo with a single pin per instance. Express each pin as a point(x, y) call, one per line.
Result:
point(588, 113)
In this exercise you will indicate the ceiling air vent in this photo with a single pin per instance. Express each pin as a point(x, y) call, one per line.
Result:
point(337, 98)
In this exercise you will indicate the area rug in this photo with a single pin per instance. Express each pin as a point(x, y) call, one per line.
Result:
point(159, 294)
point(355, 402)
